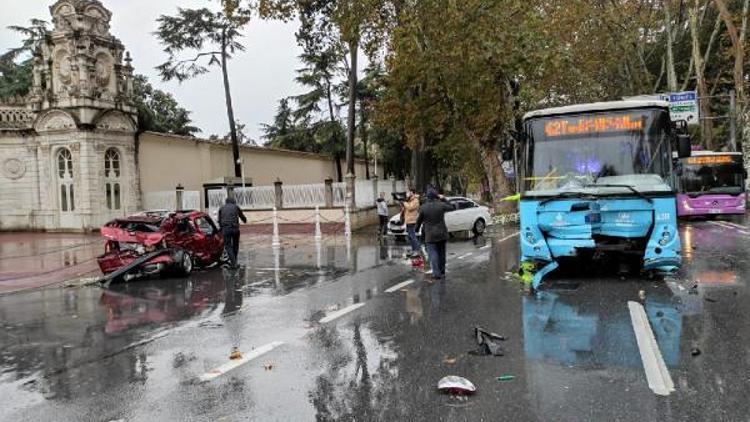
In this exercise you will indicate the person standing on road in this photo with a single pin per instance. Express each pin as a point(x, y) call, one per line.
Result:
point(411, 213)
point(229, 222)
point(382, 206)
point(432, 216)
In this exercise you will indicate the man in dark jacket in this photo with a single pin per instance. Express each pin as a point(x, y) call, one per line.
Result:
point(229, 222)
point(432, 216)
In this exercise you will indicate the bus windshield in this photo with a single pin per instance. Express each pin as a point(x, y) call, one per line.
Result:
point(715, 174)
point(570, 152)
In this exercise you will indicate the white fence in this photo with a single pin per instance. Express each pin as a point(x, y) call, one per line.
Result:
point(304, 196)
point(167, 200)
point(364, 196)
point(339, 194)
point(256, 197)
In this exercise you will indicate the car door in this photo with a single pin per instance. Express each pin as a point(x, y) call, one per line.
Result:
point(453, 217)
point(206, 243)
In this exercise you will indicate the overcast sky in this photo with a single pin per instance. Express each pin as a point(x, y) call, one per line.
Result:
point(259, 77)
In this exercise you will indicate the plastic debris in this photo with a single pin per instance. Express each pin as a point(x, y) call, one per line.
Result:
point(506, 377)
point(454, 384)
point(642, 294)
point(235, 354)
point(695, 351)
point(489, 343)
point(449, 360)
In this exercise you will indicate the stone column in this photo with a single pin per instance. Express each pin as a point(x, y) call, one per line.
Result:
point(179, 190)
point(329, 192)
point(277, 185)
point(349, 179)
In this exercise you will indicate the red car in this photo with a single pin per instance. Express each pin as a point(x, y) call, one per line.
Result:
point(157, 242)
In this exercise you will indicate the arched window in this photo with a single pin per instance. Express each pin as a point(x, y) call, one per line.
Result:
point(65, 176)
point(112, 179)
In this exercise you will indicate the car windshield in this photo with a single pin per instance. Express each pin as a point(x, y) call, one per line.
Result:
point(717, 174)
point(572, 152)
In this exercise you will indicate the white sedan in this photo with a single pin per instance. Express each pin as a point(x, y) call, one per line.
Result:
point(467, 215)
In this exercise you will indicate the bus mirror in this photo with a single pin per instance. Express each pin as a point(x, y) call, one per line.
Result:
point(683, 146)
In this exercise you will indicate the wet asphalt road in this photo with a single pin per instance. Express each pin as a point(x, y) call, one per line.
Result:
point(135, 352)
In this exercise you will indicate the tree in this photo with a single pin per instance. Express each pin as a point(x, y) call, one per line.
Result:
point(285, 133)
point(158, 111)
point(196, 39)
point(321, 67)
point(15, 77)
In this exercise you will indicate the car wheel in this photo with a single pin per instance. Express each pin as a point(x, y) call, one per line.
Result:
point(186, 263)
point(479, 227)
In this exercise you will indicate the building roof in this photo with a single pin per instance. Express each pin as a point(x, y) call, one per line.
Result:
point(602, 106)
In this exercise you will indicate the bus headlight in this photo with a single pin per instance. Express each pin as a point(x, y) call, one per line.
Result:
point(665, 238)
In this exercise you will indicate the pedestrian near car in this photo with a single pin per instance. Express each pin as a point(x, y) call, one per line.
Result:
point(411, 213)
point(382, 207)
point(229, 222)
point(432, 220)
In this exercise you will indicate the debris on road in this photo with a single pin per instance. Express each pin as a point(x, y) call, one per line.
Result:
point(268, 366)
point(489, 343)
point(506, 377)
point(449, 360)
point(454, 384)
point(235, 354)
point(695, 351)
point(642, 295)
point(710, 299)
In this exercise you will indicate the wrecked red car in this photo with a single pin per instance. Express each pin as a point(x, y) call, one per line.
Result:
point(154, 243)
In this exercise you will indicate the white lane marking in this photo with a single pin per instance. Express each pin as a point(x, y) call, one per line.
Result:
point(341, 312)
point(657, 374)
point(464, 255)
point(508, 237)
point(731, 226)
point(734, 226)
point(233, 364)
point(399, 286)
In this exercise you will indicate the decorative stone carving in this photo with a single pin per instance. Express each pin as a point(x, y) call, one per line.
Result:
point(115, 121)
point(55, 120)
point(13, 168)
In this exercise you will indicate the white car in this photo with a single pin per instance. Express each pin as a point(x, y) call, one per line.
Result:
point(466, 216)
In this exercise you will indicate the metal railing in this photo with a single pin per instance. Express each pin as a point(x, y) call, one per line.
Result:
point(304, 196)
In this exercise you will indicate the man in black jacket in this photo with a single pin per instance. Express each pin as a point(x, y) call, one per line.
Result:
point(229, 222)
point(432, 216)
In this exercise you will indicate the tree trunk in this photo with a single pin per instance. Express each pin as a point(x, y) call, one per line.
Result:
point(700, 78)
point(230, 110)
point(337, 160)
point(493, 169)
point(671, 74)
point(363, 137)
point(352, 109)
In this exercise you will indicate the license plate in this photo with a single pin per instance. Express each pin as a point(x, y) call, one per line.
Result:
point(714, 211)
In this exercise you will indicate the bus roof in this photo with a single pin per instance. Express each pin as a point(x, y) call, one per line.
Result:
point(603, 106)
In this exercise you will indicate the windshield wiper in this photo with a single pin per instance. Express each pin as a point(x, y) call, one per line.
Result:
point(632, 189)
point(565, 194)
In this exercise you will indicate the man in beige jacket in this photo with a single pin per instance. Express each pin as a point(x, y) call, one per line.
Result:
point(411, 212)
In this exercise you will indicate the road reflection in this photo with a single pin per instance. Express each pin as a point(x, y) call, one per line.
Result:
point(560, 328)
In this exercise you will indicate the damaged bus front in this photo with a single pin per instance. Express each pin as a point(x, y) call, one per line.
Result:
point(596, 182)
